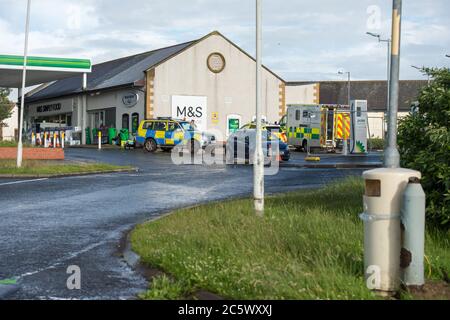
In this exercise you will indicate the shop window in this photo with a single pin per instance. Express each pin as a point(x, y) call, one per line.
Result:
point(126, 121)
point(134, 123)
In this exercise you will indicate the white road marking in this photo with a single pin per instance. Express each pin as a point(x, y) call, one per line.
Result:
point(22, 181)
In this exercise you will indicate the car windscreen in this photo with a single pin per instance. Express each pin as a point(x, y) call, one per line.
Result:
point(187, 126)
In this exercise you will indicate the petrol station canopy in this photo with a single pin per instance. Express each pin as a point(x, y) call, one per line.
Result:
point(39, 70)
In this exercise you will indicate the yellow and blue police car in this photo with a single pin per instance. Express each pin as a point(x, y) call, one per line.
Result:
point(167, 133)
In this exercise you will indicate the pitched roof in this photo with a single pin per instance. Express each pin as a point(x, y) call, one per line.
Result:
point(122, 72)
point(375, 92)
point(115, 73)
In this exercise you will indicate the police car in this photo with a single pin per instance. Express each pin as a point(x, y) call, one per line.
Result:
point(167, 133)
point(240, 145)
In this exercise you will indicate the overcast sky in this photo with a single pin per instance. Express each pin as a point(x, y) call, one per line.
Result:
point(303, 39)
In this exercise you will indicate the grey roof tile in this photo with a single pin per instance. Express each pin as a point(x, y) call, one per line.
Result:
point(115, 73)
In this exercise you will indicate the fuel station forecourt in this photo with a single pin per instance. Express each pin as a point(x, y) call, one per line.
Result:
point(40, 70)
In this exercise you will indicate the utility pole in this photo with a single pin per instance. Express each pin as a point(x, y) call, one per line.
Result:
point(24, 77)
point(388, 41)
point(349, 99)
point(392, 155)
point(258, 166)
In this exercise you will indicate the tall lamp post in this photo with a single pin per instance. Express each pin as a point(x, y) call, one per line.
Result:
point(24, 77)
point(258, 166)
point(349, 99)
point(392, 155)
point(388, 41)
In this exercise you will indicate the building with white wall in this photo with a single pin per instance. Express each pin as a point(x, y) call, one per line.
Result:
point(210, 80)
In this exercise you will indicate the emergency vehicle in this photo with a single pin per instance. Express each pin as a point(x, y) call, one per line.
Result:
point(167, 133)
point(302, 125)
point(273, 128)
point(327, 126)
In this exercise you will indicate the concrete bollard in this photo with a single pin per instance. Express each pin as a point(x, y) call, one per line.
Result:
point(413, 234)
point(63, 137)
point(45, 140)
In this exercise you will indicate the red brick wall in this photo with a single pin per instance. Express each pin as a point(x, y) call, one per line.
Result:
point(33, 154)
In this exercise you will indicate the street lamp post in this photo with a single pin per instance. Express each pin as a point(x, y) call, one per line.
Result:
point(392, 155)
point(258, 167)
point(388, 41)
point(24, 77)
point(349, 99)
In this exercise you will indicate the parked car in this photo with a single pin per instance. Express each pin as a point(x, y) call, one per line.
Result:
point(167, 133)
point(246, 149)
point(274, 128)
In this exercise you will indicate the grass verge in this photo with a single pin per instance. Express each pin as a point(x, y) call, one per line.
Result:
point(308, 246)
point(13, 144)
point(55, 168)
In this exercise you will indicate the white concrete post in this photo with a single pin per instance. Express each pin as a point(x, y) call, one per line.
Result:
point(24, 77)
point(258, 166)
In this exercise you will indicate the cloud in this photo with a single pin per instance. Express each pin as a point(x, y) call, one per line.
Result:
point(303, 39)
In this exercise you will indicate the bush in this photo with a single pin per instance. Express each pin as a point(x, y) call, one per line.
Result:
point(376, 144)
point(424, 143)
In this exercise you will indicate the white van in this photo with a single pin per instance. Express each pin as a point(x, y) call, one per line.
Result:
point(303, 126)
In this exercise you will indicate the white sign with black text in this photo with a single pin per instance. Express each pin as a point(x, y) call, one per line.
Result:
point(191, 108)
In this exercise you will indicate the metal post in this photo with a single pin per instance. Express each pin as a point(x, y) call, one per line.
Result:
point(24, 77)
point(392, 156)
point(258, 167)
point(83, 110)
point(349, 98)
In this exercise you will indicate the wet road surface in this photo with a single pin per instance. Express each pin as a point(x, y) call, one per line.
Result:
point(48, 225)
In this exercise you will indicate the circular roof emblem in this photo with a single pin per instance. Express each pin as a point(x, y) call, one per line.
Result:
point(216, 62)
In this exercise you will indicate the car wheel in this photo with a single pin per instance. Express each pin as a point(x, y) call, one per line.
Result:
point(150, 145)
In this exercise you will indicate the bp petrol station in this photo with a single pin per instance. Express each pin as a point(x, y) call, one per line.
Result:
point(40, 70)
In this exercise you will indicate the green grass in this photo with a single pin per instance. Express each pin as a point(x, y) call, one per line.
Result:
point(309, 245)
point(13, 144)
point(54, 168)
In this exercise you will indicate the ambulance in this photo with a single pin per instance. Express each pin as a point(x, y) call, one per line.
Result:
point(327, 126)
point(302, 124)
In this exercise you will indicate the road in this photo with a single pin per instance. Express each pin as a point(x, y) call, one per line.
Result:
point(48, 225)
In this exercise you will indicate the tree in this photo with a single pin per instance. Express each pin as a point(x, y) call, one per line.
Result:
point(6, 106)
point(424, 144)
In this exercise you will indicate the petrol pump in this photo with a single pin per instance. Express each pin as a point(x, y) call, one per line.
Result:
point(359, 123)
